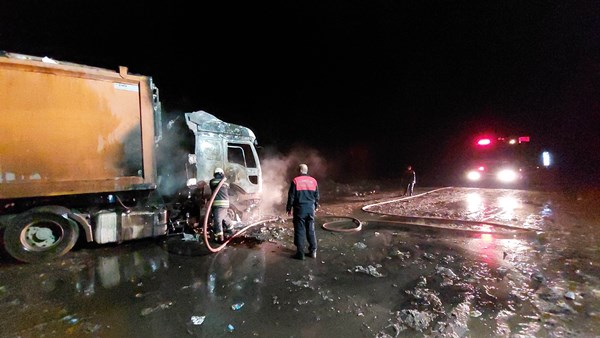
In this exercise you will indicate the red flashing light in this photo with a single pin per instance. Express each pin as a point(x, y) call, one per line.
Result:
point(523, 139)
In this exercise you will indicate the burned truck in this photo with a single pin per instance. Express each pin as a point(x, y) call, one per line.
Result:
point(85, 156)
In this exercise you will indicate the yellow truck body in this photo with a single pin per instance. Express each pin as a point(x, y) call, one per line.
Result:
point(72, 129)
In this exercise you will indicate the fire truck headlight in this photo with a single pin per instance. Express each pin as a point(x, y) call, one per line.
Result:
point(507, 175)
point(473, 175)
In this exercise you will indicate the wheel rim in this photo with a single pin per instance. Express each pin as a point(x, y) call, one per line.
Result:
point(40, 236)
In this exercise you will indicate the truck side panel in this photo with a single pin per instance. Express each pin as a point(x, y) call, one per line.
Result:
point(67, 129)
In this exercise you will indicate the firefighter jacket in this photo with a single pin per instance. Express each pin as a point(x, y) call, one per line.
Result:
point(222, 197)
point(303, 193)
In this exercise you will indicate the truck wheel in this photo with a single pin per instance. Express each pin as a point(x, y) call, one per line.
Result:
point(39, 236)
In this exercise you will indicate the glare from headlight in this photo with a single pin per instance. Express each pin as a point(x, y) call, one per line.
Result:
point(473, 175)
point(507, 175)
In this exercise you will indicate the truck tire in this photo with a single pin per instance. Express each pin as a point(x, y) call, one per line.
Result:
point(40, 236)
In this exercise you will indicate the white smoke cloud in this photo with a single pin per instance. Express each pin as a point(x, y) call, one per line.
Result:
point(278, 171)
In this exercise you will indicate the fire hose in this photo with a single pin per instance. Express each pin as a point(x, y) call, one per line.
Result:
point(331, 225)
point(434, 222)
point(236, 234)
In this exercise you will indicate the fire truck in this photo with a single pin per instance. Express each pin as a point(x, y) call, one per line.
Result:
point(503, 161)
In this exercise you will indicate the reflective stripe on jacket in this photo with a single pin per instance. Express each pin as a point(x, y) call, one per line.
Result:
point(222, 197)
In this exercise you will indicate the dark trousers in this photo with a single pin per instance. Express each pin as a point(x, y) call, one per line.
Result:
point(304, 229)
point(220, 219)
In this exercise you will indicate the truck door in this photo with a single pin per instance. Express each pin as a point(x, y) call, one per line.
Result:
point(245, 164)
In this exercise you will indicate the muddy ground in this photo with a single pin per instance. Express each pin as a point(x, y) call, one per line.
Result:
point(524, 264)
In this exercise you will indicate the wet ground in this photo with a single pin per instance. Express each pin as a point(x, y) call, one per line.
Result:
point(447, 262)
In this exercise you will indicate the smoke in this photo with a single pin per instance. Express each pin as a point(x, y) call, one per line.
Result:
point(172, 156)
point(278, 171)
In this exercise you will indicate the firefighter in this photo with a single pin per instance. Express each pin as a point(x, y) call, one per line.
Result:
point(221, 220)
point(303, 201)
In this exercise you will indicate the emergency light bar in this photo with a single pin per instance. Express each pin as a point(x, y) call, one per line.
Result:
point(486, 141)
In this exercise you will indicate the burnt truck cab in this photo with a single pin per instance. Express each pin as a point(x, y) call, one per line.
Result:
point(231, 147)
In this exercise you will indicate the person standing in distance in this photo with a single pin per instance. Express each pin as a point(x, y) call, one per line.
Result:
point(302, 202)
point(220, 206)
point(409, 178)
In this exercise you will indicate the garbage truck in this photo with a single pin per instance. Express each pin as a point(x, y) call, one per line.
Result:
point(85, 156)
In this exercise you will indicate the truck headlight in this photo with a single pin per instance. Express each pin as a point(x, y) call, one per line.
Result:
point(473, 175)
point(507, 175)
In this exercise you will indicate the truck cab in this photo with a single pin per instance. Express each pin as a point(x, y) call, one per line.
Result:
point(231, 147)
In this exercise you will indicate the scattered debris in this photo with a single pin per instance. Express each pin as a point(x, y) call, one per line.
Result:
point(198, 320)
point(237, 306)
point(161, 306)
point(369, 270)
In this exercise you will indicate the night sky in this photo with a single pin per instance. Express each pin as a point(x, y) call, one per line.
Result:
point(373, 85)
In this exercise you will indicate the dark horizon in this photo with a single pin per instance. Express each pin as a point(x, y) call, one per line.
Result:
point(373, 86)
